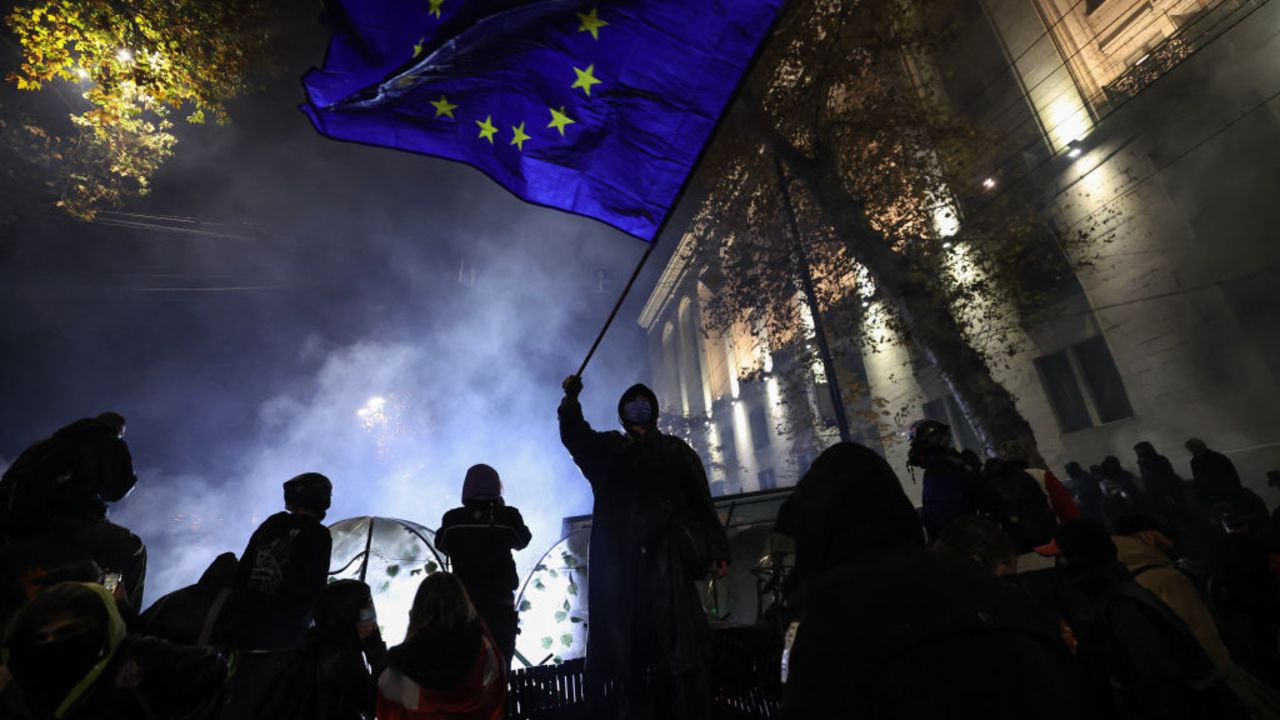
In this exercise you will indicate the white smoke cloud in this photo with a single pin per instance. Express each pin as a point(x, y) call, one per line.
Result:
point(397, 417)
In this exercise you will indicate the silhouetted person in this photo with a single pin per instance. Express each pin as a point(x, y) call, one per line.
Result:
point(948, 476)
point(478, 538)
point(448, 665)
point(334, 674)
point(53, 509)
point(1140, 658)
point(888, 630)
point(654, 532)
point(1243, 595)
point(71, 658)
point(1215, 475)
point(199, 614)
point(281, 572)
point(1087, 489)
point(1163, 485)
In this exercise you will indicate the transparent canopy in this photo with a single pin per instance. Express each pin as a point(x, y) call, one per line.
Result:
point(392, 556)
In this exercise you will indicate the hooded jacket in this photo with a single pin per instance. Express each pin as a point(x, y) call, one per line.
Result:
point(883, 619)
point(654, 530)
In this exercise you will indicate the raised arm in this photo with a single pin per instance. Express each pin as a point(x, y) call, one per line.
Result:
point(588, 447)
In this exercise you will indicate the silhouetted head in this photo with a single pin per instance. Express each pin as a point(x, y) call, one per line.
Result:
point(1084, 545)
point(1144, 450)
point(308, 493)
point(1196, 447)
point(1111, 467)
point(979, 540)
point(341, 605)
point(1074, 471)
point(442, 604)
point(481, 484)
point(924, 435)
point(59, 637)
point(638, 410)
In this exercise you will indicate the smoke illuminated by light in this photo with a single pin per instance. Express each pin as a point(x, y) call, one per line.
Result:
point(374, 413)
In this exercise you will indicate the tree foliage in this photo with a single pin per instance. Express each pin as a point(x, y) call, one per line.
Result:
point(845, 118)
point(134, 64)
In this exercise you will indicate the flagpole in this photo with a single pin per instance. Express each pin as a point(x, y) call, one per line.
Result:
point(625, 291)
point(688, 180)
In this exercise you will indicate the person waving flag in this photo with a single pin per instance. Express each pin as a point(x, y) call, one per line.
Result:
point(595, 107)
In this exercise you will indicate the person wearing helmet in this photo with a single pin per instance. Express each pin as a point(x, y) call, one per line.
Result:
point(478, 538)
point(947, 476)
point(654, 532)
point(283, 569)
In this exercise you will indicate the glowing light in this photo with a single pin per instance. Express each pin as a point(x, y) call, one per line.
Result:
point(82, 73)
point(124, 55)
point(374, 413)
point(946, 246)
point(989, 183)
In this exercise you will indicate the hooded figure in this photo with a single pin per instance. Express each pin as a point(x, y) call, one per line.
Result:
point(888, 630)
point(333, 675)
point(654, 532)
point(71, 659)
point(478, 538)
point(948, 476)
point(281, 573)
point(1087, 489)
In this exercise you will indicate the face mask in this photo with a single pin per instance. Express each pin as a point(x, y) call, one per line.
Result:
point(49, 670)
point(638, 412)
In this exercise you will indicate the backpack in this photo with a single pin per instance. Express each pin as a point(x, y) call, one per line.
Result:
point(1197, 685)
point(1012, 499)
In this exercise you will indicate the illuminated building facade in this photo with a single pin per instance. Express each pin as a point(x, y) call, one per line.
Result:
point(1152, 129)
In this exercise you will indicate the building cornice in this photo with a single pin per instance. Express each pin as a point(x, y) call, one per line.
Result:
point(672, 276)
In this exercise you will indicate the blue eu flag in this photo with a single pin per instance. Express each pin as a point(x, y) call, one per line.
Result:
point(597, 107)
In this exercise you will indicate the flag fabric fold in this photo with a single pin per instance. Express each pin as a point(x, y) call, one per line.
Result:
point(597, 108)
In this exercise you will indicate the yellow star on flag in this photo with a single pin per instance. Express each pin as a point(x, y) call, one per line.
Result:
point(444, 107)
point(591, 23)
point(487, 129)
point(520, 136)
point(417, 47)
point(435, 7)
point(586, 78)
point(559, 120)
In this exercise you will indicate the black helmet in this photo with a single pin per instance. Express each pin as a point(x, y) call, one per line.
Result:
point(310, 491)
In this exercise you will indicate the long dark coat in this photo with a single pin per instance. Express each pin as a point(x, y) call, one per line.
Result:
point(654, 529)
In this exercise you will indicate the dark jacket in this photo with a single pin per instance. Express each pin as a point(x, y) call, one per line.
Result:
point(1215, 477)
point(437, 674)
point(283, 568)
point(478, 538)
point(198, 614)
point(946, 492)
point(654, 530)
point(328, 679)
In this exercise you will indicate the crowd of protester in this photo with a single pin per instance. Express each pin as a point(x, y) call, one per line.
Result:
point(1011, 594)
point(266, 635)
point(1008, 593)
